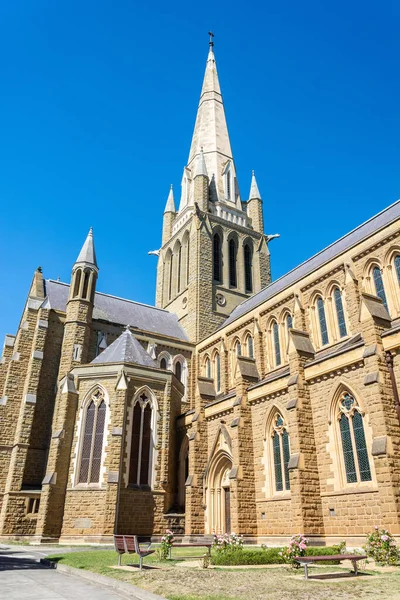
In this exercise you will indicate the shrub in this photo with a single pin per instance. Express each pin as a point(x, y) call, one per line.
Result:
point(166, 542)
point(228, 541)
point(233, 557)
point(297, 547)
point(382, 548)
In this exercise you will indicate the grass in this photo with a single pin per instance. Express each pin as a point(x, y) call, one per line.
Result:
point(175, 582)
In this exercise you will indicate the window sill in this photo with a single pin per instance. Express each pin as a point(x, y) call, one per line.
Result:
point(139, 488)
point(86, 488)
point(351, 490)
point(278, 497)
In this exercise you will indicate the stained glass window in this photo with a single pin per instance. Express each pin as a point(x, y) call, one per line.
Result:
point(281, 454)
point(92, 441)
point(217, 257)
point(208, 368)
point(322, 321)
point(277, 347)
point(141, 443)
point(353, 441)
point(250, 348)
point(238, 348)
point(232, 263)
point(289, 322)
point(379, 287)
point(340, 312)
point(397, 266)
point(247, 268)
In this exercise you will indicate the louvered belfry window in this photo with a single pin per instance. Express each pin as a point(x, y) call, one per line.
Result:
point(141, 443)
point(217, 258)
point(93, 437)
point(281, 454)
point(232, 263)
point(355, 452)
point(248, 268)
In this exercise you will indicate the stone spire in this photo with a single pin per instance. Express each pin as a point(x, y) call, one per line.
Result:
point(254, 191)
point(211, 134)
point(87, 255)
point(170, 206)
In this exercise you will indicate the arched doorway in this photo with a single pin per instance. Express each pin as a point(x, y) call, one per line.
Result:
point(219, 495)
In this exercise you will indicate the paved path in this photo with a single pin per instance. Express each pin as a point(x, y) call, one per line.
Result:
point(22, 577)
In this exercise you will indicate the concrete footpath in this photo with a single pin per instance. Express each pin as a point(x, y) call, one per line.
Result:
point(24, 577)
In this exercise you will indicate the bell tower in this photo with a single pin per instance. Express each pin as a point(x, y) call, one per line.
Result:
point(214, 253)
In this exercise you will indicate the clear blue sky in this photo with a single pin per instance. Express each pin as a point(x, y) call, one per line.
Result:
point(97, 107)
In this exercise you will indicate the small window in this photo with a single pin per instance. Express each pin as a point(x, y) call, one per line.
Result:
point(77, 284)
point(250, 348)
point(228, 184)
point(277, 347)
point(32, 506)
point(179, 269)
point(163, 363)
point(340, 312)
point(208, 368)
point(281, 454)
point(238, 348)
point(322, 321)
point(178, 370)
point(217, 362)
point(379, 287)
point(289, 322)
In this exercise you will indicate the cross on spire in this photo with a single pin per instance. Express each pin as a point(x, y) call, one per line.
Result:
point(211, 42)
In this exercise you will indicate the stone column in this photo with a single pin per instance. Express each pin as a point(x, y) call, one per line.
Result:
point(306, 509)
point(55, 482)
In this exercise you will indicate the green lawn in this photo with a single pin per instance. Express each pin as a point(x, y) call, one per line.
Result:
point(176, 582)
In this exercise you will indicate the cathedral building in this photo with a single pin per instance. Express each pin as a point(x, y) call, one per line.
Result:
point(237, 403)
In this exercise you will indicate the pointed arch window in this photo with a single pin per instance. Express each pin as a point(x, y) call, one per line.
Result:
point(232, 263)
point(228, 183)
point(178, 285)
point(354, 447)
point(92, 441)
point(379, 287)
point(248, 276)
point(163, 363)
point(208, 368)
point(142, 442)
point(78, 275)
point(238, 348)
point(397, 266)
point(217, 271)
point(289, 322)
point(187, 259)
point(340, 312)
point(178, 370)
point(281, 454)
point(322, 321)
point(171, 266)
point(277, 346)
point(217, 367)
point(250, 347)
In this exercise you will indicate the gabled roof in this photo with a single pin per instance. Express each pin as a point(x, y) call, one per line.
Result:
point(379, 221)
point(120, 311)
point(125, 349)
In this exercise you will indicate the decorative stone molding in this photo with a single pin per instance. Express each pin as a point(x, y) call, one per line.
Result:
point(295, 461)
point(293, 379)
point(370, 351)
point(30, 399)
point(50, 479)
point(371, 378)
point(291, 404)
point(67, 385)
point(235, 422)
point(37, 354)
point(9, 341)
point(43, 323)
point(116, 431)
point(113, 477)
point(380, 446)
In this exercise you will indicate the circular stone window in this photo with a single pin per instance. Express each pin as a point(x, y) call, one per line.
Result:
point(221, 300)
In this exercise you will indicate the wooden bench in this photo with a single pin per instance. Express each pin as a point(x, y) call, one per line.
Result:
point(129, 544)
point(304, 561)
point(193, 545)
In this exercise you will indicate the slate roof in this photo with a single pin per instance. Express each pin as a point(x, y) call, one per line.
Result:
point(379, 221)
point(125, 349)
point(87, 255)
point(118, 310)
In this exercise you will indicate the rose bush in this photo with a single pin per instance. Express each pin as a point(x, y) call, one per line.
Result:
point(297, 547)
point(382, 548)
point(228, 541)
